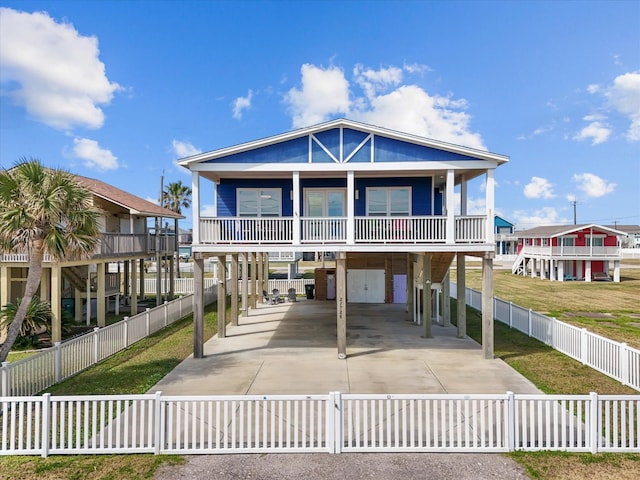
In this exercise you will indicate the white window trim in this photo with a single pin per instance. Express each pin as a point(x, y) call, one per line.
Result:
point(258, 213)
point(389, 189)
point(325, 206)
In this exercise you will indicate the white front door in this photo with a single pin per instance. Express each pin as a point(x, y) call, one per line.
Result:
point(365, 286)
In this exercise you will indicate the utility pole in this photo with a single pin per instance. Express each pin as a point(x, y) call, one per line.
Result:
point(574, 203)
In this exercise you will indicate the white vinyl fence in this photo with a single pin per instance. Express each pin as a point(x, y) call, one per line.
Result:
point(615, 359)
point(334, 423)
point(52, 365)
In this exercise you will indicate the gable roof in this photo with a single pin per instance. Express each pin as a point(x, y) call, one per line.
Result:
point(191, 161)
point(550, 231)
point(135, 205)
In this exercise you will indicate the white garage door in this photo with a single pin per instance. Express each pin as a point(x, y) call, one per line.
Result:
point(365, 286)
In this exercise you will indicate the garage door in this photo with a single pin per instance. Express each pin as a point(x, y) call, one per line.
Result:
point(365, 286)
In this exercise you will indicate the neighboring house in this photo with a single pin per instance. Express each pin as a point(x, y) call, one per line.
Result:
point(381, 201)
point(506, 240)
point(124, 237)
point(632, 235)
point(569, 252)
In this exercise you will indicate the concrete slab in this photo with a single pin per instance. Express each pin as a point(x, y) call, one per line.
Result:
point(291, 349)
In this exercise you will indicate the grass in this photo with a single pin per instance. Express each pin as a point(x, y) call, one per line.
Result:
point(132, 371)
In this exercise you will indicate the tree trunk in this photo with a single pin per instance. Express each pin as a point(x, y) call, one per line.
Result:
point(34, 276)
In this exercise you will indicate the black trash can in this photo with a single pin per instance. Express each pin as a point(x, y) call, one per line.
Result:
point(69, 306)
point(308, 289)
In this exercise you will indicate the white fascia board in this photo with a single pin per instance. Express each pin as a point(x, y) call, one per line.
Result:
point(344, 167)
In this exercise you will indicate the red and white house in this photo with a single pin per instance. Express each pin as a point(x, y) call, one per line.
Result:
point(569, 252)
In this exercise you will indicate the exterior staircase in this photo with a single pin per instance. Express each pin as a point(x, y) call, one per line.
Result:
point(517, 268)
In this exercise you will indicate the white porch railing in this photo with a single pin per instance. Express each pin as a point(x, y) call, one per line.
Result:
point(333, 423)
point(333, 230)
point(563, 251)
point(614, 359)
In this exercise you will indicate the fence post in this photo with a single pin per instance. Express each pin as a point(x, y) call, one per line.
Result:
point(96, 346)
point(126, 331)
point(57, 362)
point(4, 380)
point(623, 361)
point(511, 422)
point(529, 320)
point(165, 312)
point(583, 345)
point(158, 437)
point(147, 320)
point(46, 422)
point(594, 424)
point(334, 422)
point(510, 314)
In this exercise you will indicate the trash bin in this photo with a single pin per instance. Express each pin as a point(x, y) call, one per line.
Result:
point(69, 306)
point(308, 289)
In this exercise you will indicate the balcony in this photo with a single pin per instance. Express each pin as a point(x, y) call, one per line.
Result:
point(569, 252)
point(112, 245)
point(338, 230)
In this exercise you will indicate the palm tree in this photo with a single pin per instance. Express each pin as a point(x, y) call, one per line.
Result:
point(43, 210)
point(176, 196)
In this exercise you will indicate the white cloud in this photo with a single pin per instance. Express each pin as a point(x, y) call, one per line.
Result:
point(408, 108)
point(592, 185)
point(324, 92)
point(539, 188)
point(545, 216)
point(624, 96)
point(184, 149)
point(593, 88)
point(598, 132)
point(416, 68)
point(93, 155)
point(207, 211)
point(240, 104)
point(52, 70)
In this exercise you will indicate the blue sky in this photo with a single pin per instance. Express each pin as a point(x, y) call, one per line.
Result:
point(120, 90)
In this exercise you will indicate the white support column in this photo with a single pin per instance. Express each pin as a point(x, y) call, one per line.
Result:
point(487, 307)
point(88, 320)
point(490, 205)
point(56, 303)
point(134, 286)
point(561, 270)
point(296, 208)
point(195, 206)
point(616, 270)
point(260, 274)
point(410, 283)
point(463, 196)
point(446, 301)
point(587, 273)
point(351, 222)
point(450, 206)
point(253, 291)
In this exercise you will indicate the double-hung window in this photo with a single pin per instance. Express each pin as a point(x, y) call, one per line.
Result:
point(389, 202)
point(259, 202)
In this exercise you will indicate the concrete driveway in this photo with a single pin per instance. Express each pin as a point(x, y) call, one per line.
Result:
point(291, 349)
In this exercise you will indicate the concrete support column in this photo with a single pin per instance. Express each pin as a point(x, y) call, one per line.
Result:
point(265, 277)
point(561, 270)
point(101, 307)
point(77, 300)
point(45, 285)
point(426, 296)
point(134, 286)
point(172, 275)
point(234, 289)
point(534, 267)
point(616, 270)
point(341, 304)
point(222, 296)
point(487, 307)
point(587, 271)
point(260, 273)
point(245, 284)
point(461, 287)
point(446, 301)
point(198, 306)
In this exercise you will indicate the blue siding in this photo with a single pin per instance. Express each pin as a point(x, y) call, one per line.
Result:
point(291, 151)
point(390, 150)
point(227, 194)
point(499, 222)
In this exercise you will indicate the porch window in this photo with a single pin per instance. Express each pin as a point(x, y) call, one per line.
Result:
point(595, 241)
point(389, 202)
point(567, 241)
point(259, 202)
